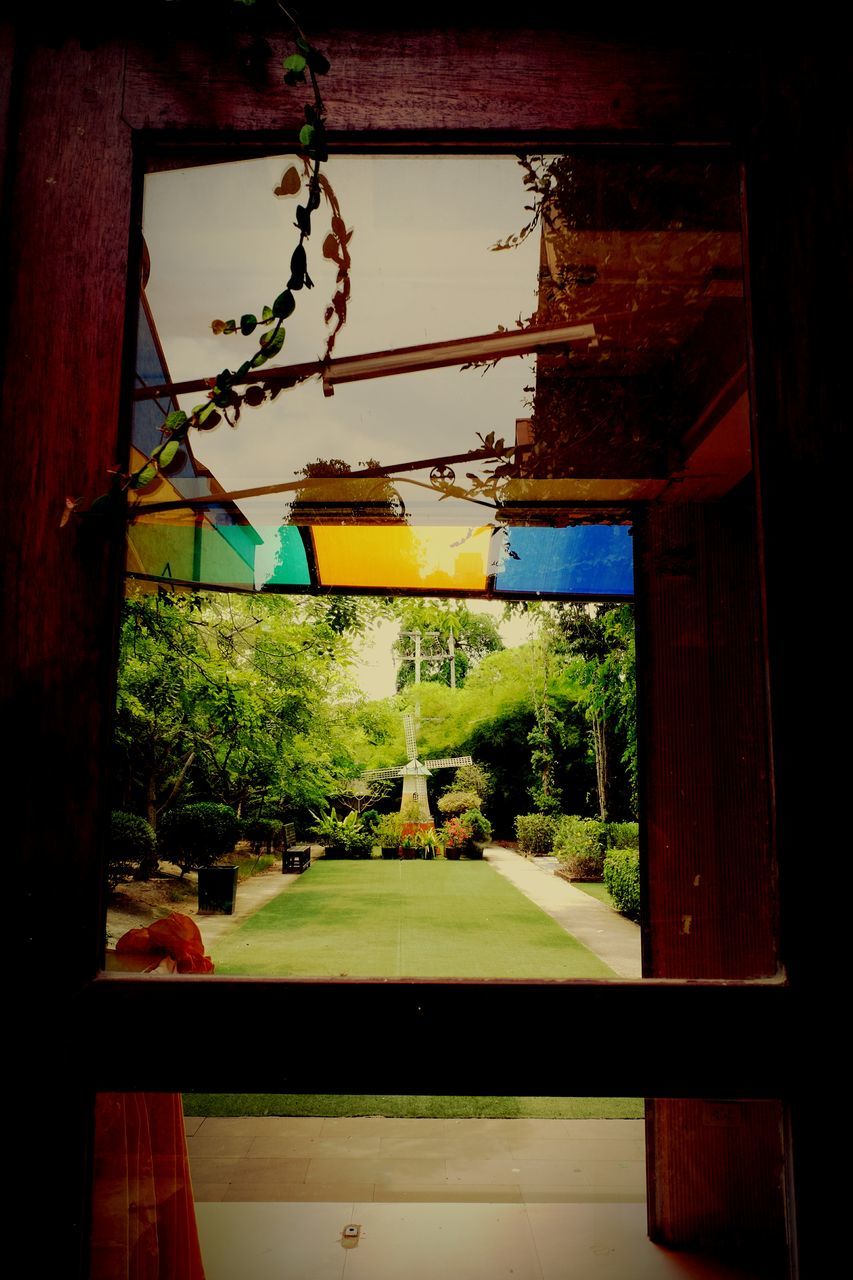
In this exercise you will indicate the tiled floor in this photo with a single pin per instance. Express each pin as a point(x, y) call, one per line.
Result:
point(463, 1199)
point(432, 1241)
point(376, 1159)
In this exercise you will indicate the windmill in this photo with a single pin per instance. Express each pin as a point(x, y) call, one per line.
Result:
point(415, 772)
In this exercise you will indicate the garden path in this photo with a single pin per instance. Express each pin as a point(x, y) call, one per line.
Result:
point(614, 939)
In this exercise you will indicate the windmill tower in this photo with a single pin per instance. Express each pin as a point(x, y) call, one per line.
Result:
point(415, 772)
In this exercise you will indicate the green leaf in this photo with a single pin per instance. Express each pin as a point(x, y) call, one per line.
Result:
point(167, 453)
point(273, 342)
point(230, 326)
point(145, 476)
point(284, 305)
point(248, 324)
point(175, 420)
point(296, 63)
point(306, 135)
point(267, 314)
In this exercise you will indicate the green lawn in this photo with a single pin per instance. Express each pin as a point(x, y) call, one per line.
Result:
point(404, 919)
point(410, 1105)
point(595, 889)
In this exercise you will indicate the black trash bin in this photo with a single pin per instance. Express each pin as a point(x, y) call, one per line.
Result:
point(217, 889)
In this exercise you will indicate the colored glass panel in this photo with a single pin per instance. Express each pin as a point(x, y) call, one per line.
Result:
point(584, 560)
point(401, 557)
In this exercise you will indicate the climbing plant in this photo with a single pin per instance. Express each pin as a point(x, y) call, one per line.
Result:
point(304, 66)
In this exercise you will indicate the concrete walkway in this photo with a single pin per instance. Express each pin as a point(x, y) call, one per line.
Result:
point(614, 939)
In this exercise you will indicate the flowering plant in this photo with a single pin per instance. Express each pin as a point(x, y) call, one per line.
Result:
point(455, 834)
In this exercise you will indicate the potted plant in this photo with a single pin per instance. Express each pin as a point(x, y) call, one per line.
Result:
point(455, 835)
point(429, 843)
point(481, 832)
point(329, 832)
point(358, 842)
point(409, 845)
point(389, 833)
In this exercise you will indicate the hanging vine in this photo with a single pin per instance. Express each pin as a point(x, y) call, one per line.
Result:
point(306, 65)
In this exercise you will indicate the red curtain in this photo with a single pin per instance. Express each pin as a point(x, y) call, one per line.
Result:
point(143, 1217)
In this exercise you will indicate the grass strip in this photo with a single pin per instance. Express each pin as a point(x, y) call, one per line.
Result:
point(595, 889)
point(411, 1106)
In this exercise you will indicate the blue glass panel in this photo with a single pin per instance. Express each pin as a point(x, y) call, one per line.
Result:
point(586, 560)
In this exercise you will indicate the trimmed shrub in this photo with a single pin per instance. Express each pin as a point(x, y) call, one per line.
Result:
point(452, 803)
point(535, 832)
point(622, 878)
point(196, 835)
point(481, 828)
point(262, 833)
point(622, 835)
point(132, 843)
point(579, 844)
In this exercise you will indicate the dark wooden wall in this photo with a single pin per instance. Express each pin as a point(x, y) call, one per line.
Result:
point(76, 114)
point(710, 881)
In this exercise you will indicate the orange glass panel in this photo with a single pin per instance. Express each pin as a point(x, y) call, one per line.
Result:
point(399, 556)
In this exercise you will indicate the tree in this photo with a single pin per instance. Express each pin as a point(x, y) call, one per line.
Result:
point(235, 699)
point(474, 635)
point(602, 637)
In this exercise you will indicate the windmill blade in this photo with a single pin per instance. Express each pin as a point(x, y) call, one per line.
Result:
point(411, 740)
point(379, 775)
point(449, 762)
point(423, 798)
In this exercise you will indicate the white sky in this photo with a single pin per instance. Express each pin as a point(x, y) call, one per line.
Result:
point(375, 672)
point(220, 243)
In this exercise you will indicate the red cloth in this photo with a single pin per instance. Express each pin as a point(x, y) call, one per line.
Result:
point(143, 1216)
point(175, 937)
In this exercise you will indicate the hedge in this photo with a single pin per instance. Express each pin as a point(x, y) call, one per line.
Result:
point(579, 843)
point(622, 878)
point(535, 832)
point(622, 835)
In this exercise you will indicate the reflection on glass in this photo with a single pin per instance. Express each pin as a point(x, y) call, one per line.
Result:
point(494, 359)
point(585, 561)
point(428, 559)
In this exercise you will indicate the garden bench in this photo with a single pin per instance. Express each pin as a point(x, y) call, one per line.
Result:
point(296, 856)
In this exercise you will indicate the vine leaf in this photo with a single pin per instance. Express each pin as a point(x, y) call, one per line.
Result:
point(284, 305)
point(290, 183)
point(175, 420)
point(167, 453)
point(144, 477)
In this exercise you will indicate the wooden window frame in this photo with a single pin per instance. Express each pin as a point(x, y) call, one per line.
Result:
point(65, 238)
